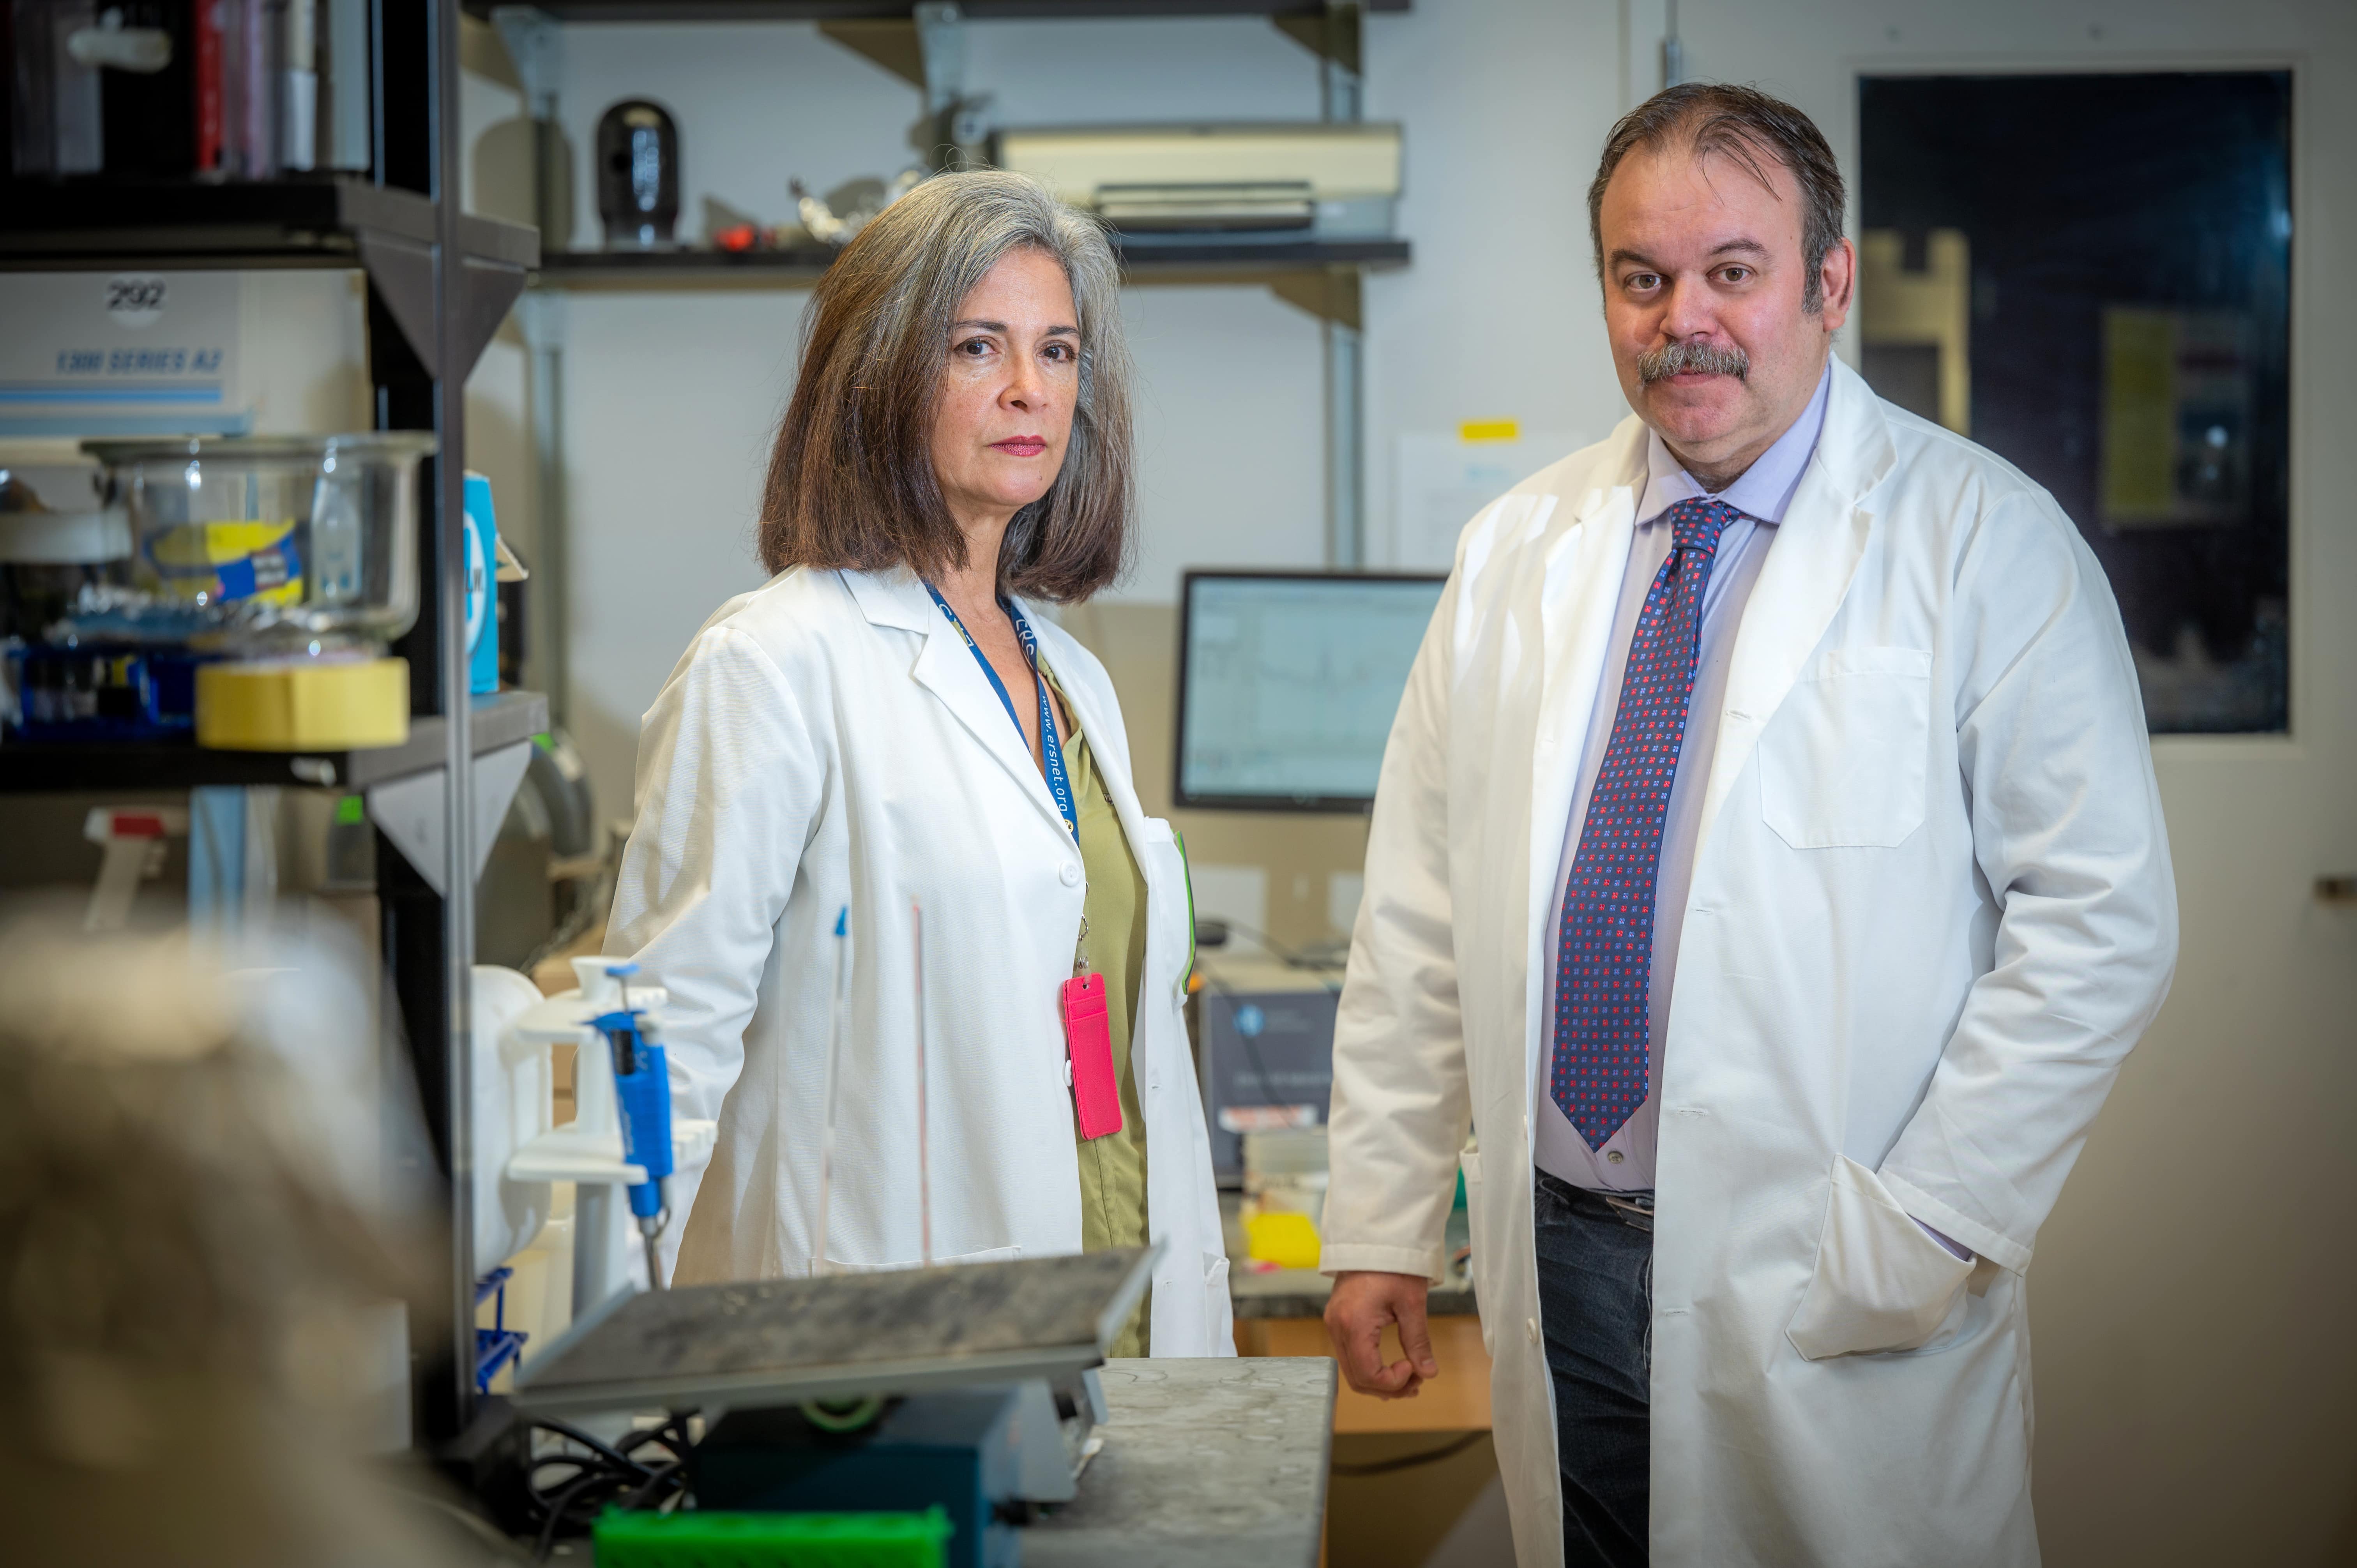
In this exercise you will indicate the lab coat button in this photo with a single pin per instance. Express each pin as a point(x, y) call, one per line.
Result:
point(1613, 1156)
point(1531, 1326)
point(1072, 875)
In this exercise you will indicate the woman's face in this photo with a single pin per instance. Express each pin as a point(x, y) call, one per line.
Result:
point(1009, 378)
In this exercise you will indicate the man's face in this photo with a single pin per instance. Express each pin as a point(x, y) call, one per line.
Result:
point(1703, 289)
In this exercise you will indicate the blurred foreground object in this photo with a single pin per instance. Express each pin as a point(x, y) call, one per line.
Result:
point(132, 839)
point(202, 1251)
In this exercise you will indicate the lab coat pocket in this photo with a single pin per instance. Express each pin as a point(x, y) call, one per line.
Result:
point(1844, 762)
point(1215, 1288)
point(1881, 1282)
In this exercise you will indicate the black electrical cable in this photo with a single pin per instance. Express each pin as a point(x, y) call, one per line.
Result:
point(558, 1509)
point(1410, 1461)
point(664, 1474)
point(609, 1475)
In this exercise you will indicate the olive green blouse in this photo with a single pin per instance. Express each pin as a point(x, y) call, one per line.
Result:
point(1113, 1168)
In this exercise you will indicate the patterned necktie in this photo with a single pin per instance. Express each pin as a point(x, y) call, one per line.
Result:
point(1604, 960)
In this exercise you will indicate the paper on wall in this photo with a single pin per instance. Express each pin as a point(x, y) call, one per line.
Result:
point(1445, 477)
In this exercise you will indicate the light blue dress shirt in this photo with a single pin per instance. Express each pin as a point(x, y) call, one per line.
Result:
point(1625, 1163)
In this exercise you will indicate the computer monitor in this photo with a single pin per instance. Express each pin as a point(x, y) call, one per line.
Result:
point(1288, 682)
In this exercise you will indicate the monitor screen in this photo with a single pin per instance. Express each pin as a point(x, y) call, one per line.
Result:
point(1288, 682)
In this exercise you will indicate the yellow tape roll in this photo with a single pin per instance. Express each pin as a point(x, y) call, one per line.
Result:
point(303, 705)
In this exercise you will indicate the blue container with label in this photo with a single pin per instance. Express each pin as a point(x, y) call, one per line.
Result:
point(482, 587)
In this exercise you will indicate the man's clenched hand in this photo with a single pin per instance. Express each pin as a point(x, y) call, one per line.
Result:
point(1363, 1304)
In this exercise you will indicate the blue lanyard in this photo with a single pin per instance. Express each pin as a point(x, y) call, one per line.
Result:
point(1059, 783)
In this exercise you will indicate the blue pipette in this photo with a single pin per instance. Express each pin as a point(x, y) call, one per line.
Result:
point(642, 1101)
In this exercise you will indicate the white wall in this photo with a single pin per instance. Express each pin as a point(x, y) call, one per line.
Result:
point(1505, 104)
point(672, 397)
point(670, 402)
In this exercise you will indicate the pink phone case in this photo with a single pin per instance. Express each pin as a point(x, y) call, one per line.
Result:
point(1088, 1034)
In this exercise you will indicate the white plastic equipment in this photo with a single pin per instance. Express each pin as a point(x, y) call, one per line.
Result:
point(518, 1149)
point(132, 838)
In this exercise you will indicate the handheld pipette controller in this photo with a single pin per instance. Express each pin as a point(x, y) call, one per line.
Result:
point(643, 1098)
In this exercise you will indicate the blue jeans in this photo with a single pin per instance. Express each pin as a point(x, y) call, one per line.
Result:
point(1596, 1301)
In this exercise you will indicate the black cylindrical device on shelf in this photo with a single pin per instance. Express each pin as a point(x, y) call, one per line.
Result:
point(637, 172)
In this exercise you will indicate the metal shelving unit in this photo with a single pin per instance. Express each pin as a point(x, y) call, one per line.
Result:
point(1324, 278)
point(494, 724)
point(898, 10)
point(298, 220)
point(1142, 262)
point(440, 283)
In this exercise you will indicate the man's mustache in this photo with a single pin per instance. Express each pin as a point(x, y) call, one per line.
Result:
point(1701, 358)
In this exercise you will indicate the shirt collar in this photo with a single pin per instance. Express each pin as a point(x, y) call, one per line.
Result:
point(1766, 488)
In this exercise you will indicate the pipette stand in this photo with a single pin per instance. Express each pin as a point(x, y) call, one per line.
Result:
point(588, 1150)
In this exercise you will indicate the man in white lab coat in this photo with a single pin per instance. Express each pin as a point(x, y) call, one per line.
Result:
point(1768, 867)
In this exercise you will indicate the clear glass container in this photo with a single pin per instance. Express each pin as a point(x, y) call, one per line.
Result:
point(257, 545)
point(58, 542)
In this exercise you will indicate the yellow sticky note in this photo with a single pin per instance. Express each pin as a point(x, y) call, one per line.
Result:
point(1490, 430)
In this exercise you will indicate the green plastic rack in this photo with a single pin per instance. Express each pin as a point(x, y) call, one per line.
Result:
point(697, 1540)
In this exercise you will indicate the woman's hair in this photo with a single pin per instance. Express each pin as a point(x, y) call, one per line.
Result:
point(851, 479)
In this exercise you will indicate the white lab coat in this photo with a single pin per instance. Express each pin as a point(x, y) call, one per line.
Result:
point(829, 741)
point(1931, 910)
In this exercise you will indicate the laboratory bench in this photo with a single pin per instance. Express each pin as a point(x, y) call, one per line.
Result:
point(1205, 1464)
point(1214, 1462)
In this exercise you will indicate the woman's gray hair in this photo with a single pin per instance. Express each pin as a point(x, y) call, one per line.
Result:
point(851, 479)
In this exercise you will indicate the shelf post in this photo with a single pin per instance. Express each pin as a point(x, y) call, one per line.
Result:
point(548, 655)
point(428, 938)
point(457, 954)
point(1345, 445)
point(1340, 61)
point(1346, 423)
point(954, 120)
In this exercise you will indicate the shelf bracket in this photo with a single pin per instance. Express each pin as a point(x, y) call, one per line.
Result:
point(402, 271)
point(927, 51)
point(1337, 39)
point(535, 44)
point(890, 44)
point(941, 40)
point(1331, 296)
point(408, 810)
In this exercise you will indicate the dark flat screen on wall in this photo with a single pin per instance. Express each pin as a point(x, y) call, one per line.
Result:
point(2091, 276)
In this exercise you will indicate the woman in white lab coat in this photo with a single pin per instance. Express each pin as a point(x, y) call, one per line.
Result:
point(888, 741)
